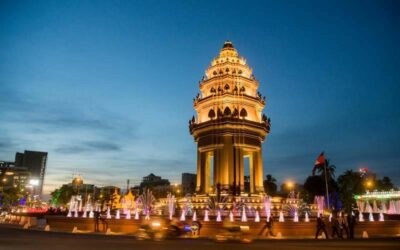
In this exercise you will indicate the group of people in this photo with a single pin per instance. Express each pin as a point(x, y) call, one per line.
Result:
point(340, 224)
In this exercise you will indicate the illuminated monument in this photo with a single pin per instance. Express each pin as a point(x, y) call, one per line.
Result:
point(230, 127)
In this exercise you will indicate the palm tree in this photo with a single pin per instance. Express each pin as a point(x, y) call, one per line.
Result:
point(330, 170)
point(270, 186)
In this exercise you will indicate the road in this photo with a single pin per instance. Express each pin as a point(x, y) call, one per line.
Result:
point(12, 238)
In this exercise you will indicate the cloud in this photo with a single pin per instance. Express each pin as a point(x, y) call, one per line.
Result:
point(89, 147)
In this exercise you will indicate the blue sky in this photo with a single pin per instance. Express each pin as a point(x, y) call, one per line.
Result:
point(106, 87)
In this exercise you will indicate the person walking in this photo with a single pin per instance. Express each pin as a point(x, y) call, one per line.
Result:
point(96, 221)
point(321, 227)
point(267, 229)
point(343, 226)
point(335, 226)
point(351, 222)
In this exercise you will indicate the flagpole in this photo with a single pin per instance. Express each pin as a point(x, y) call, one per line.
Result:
point(326, 185)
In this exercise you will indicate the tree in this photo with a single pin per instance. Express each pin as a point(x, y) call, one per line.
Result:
point(270, 186)
point(314, 185)
point(349, 184)
point(385, 184)
point(330, 170)
point(9, 197)
point(62, 195)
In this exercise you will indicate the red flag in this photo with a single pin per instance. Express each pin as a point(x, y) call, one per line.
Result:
point(320, 160)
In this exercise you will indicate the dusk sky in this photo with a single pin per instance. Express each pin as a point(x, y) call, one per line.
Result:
point(106, 87)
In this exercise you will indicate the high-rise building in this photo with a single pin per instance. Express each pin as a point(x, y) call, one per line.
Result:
point(35, 163)
point(230, 127)
point(188, 183)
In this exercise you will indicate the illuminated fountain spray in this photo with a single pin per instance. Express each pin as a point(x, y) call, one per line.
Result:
point(371, 217)
point(84, 215)
point(330, 217)
point(319, 200)
point(108, 216)
point(183, 216)
point(231, 216)
point(392, 207)
point(384, 210)
point(136, 214)
point(267, 206)
point(71, 206)
point(281, 218)
point(128, 214)
point(306, 219)
point(117, 215)
point(206, 216)
point(296, 216)
point(360, 217)
point(244, 216)
point(375, 207)
point(194, 218)
point(381, 217)
point(91, 213)
point(257, 217)
point(361, 206)
point(368, 208)
point(219, 216)
point(171, 205)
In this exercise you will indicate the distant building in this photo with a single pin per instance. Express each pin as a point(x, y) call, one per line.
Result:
point(158, 185)
point(14, 177)
point(188, 183)
point(35, 162)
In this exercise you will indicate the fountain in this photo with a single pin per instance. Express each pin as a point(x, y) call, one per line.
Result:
point(281, 218)
point(244, 217)
point(171, 205)
point(360, 217)
point(117, 215)
point(306, 219)
point(257, 217)
point(360, 205)
point(392, 207)
point(136, 214)
point(128, 214)
point(194, 218)
point(320, 201)
point(371, 217)
point(206, 216)
point(375, 207)
point(183, 217)
point(267, 206)
point(231, 219)
point(381, 217)
point(84, 215)
point(330, 217)
point(383, 205)
point(108, 216)
point(296, 217)
point(219, 216)
point(268, 218)
point(72, 206)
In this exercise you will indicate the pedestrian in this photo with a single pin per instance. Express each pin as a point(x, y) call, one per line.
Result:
point(351, 222)
point(335, 227)
point(321, 227)
point(268, 227)
point(343, 226)
point(96, 221)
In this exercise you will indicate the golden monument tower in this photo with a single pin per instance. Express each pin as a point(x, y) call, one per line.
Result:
point(230, 127)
